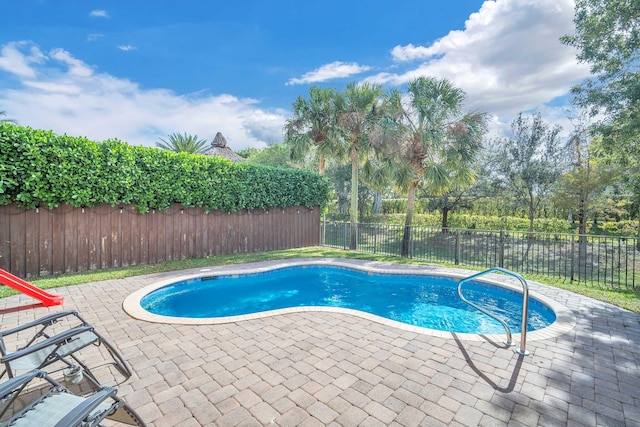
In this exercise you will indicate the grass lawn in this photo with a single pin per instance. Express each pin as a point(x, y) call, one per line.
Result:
point(627, 299)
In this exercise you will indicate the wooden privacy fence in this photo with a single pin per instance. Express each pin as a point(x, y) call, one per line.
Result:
point(42, 242)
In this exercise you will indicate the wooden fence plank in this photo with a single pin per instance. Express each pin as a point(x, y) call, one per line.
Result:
point(105, 212)
point(116, 237)
point(31, 240)
point(125, 237)
point(45, 217)
point(152, 236)
point(66, 239)
point(82, 240)
point(57, 242)
point(144, 239)
point(5, 236)
point(17, 245)
point(93, 237)
point(70, 224)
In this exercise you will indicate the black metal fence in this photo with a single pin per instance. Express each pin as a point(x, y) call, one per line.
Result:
point(605, 260)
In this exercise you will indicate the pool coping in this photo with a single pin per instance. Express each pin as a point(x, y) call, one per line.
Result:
point(565, 319)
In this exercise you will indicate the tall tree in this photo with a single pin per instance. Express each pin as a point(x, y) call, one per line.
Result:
point(579, 188)
point(183, 143)
point(358, 117)
point(312, 126)
point(529, 162)
point(436, 141)
point(588, 177)
point(607, 36)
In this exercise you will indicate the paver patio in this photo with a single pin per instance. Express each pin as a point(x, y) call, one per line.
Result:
point(326, 368)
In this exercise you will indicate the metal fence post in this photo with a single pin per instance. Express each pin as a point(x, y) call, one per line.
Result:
point(411, 242)
point(375, 241)
point(501, 249)
point(345, 235)
point(572, 257)
point(457, 254)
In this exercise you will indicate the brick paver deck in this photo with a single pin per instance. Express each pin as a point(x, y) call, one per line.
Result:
point(326, 368)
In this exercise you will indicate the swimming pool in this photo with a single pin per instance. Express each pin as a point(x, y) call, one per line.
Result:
point(424, 301)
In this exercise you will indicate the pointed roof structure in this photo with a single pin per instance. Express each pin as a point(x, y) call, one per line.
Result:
point(219, 148)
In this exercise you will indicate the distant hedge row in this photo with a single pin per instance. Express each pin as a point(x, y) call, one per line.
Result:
point(40, 168)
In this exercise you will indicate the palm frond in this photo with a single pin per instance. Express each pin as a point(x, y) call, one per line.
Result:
point(182, 143)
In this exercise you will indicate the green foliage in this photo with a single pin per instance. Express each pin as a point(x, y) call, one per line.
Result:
point(39, 168)
point(399, 206)
point(529, 162)
point(313, 126)
point(275, 155)
point(580, 190)
point(625, 228)
point(607, 37)
point(183, 143)
point(480, 222)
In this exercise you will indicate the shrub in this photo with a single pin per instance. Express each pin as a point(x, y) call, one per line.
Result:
point(40, 168)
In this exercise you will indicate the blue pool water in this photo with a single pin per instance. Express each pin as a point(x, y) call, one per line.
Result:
point(426, 301)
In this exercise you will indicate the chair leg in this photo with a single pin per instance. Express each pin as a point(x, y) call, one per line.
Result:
point(120, 364)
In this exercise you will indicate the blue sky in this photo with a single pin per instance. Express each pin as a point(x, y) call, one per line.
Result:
point(140, 70)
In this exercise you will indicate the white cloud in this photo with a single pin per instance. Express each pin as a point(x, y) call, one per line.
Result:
point(75, 67)
point(410, 52)
point(95, 36)
point(64, 94)
point(127, 48)
point(14, 61)
point(507, 59)
point(99, 13)
point(334, 70)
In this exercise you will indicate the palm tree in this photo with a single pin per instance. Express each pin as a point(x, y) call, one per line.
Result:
point(312, 125)
point(183, 143)
point(358, 120)
point(4, 113)
point(435, 142)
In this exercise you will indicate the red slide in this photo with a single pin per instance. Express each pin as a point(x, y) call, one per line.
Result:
point(26, 288)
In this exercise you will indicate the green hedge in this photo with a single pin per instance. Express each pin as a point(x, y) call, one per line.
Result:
point(480, 222)
point(40, 168)
point(626, 228)
point(396, 206)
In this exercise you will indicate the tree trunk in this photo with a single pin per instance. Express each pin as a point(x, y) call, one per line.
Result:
point(445, 219)
point(582, 221)
point(377, 203)
point(321, 164)
point(582, 239)
point(353, 244)
point(532, 213)
point(406, 237)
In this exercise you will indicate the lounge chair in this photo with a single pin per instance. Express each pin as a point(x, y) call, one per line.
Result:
point(48, 343)
point(46, 403)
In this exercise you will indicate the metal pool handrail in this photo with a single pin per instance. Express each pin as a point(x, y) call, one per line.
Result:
point(525, 306)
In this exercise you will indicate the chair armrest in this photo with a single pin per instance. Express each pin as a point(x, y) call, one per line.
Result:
point(87, 407)
point(49, 342)
point(10, 385)
point(46, 320)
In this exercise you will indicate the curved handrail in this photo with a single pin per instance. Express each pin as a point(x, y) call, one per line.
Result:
point(525, 305)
